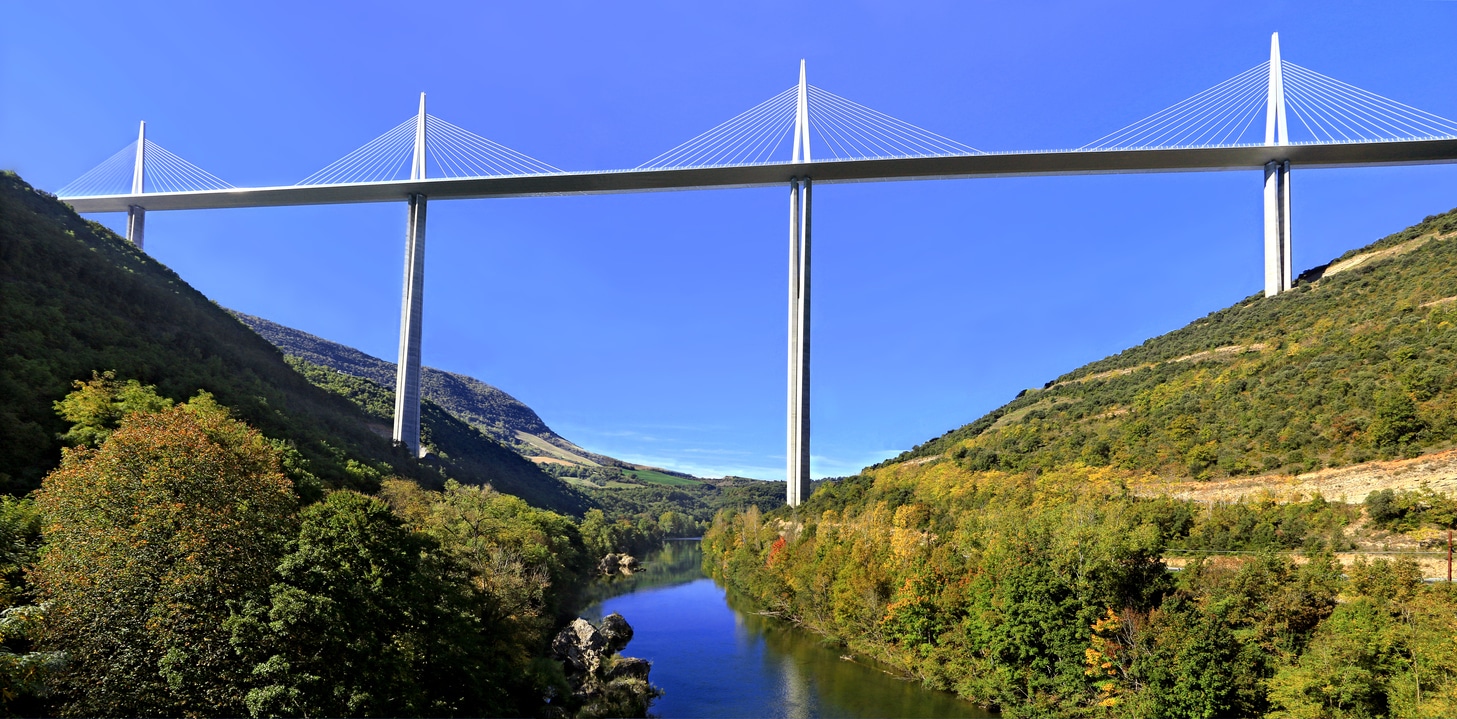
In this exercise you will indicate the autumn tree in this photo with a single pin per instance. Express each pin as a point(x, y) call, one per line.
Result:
point(148, 539)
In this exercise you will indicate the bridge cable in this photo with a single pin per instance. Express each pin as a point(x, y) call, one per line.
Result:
point(1328, 110)
point(845, 130)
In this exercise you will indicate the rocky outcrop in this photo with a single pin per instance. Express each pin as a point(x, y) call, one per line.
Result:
point(580, 647)
point(618, 564)
point(615, 632)
point(603, 683)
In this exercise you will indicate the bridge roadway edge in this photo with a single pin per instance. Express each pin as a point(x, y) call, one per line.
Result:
point(1026, 164)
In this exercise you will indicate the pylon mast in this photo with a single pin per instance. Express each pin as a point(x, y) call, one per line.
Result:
point(136, 215)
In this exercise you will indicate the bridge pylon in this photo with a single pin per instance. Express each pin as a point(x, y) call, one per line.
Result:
point(136, 217)
point(1279, 275)
point(797, 477)
point(412, 305)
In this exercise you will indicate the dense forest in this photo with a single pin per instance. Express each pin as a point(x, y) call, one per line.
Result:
point(194, 525)
point(1026, 561)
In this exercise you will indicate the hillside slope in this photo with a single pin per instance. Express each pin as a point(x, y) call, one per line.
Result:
point(449, 438)
point(75, 298)
point(494, 412)
point(1352, 365)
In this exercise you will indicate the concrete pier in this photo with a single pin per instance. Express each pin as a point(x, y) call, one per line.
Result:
point(1279, 275)
point(796, 451)
point(796, 470)
point(412, 309)
point(136, 220)
point(802, 477)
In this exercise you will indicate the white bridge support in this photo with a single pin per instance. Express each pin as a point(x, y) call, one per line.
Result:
point(412, 306)
point(1279, 275)
point(797, 477)
point(136, 217)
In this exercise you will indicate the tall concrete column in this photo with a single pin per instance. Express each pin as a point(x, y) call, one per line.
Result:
point(791, 425)
point(803, 344)
point(136, 219)
point(136, 215)
point(1286, 248)
point(796, 454)
point(412, 307)
point(1279, 271)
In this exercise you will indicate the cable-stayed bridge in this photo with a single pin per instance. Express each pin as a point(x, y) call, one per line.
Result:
point(1273, 116)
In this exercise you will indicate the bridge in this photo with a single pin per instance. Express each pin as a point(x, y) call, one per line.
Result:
point(424, 157)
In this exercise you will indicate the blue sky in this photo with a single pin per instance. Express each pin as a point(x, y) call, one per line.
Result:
point(651, 327)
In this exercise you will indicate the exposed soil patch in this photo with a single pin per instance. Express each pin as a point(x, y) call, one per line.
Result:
point(1216, 353)
point(1437, 470)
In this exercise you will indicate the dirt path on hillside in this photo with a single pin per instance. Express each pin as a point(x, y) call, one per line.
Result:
point(1433, 564)
point(1349, 484)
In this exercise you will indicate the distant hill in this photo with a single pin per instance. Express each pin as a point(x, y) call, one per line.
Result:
point(496, 413)
point(449, 438)
point(75, 298)
point(503, 417)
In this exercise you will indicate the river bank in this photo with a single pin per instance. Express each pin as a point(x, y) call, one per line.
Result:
point(716, 657)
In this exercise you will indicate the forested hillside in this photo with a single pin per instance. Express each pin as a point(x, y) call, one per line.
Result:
point(1012, 561)
point(76, 299)
point(449, 438)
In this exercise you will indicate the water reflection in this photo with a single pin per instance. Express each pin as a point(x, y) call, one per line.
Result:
point(717, 658)
point(679, 561)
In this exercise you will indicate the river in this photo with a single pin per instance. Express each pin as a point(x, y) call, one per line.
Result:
point(715, 657)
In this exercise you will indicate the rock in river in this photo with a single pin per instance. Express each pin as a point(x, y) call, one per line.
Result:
point(603, 682)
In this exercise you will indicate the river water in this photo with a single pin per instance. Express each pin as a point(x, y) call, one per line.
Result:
point(715, 657)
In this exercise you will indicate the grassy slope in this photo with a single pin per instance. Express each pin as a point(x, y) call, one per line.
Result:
point(75, 298)
point(1343, 369)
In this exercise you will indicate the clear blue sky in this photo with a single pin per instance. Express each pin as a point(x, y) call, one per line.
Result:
point(651, 327)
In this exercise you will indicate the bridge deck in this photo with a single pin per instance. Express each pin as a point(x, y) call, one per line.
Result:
point(1402, 152)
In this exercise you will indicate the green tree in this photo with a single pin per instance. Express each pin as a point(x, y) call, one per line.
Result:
point(148, 540)
point(25, 674)
point(1396, 422)
point(97, 407)
point(1345, 670)
point(1193, 666)
point(370, 619)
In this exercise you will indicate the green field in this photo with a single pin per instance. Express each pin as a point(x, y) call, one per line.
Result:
point(589, 484)
point(650, 476)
